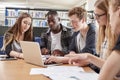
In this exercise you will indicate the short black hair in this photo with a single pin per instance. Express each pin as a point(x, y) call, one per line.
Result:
point(52, 12)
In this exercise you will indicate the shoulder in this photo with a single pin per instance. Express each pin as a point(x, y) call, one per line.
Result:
point(76, 33)
point(8, 38)
point(92, 26)
point(8, 35)
point(46, 33)
point(92, 29)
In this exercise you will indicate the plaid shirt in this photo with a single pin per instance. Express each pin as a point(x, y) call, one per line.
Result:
point(65, 39)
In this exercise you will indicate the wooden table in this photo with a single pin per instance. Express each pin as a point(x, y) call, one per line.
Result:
point(19, 70)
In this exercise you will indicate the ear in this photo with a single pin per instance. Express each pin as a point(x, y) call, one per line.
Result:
point(58, 18)
point(59, 21)
point(83, 20)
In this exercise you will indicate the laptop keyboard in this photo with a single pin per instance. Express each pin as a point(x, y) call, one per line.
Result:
point(50, 63)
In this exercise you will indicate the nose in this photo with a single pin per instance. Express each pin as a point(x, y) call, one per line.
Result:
point(73, 25)
point(50, 23)
point(96, 17)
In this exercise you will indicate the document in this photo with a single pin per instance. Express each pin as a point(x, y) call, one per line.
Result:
point(56, 69)
point(65, 73)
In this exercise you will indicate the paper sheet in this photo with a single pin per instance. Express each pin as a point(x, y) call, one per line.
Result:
point(65, 73)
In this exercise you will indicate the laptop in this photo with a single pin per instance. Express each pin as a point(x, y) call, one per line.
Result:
point(32, 53)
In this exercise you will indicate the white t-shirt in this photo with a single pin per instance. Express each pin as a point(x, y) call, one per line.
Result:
point(81, 42)
point(56, 41)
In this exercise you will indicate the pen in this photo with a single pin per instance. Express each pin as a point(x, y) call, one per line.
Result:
point(74, 77)
point(48, 77)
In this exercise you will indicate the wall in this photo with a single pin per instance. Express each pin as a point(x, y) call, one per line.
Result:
point(2, 16)
point(36, 30)
point(81, 3)
point(90, 5)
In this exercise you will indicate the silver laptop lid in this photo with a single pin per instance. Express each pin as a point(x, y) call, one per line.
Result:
point(32, 52)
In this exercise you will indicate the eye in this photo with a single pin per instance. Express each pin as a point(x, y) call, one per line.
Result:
point(51, 21)
point(28, 23)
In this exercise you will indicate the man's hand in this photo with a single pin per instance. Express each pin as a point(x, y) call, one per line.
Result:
point(44, 51)
point(57, 53)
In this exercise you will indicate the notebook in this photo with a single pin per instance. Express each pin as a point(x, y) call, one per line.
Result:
point(32, 53)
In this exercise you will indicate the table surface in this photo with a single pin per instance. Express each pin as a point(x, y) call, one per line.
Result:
point(19, 70)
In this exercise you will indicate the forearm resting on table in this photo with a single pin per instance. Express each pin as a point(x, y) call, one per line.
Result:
point(16, 54)
point(61, 59)
point(64, 60)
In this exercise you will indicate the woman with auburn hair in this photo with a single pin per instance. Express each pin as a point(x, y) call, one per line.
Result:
point(112, 64)
point(20, 31)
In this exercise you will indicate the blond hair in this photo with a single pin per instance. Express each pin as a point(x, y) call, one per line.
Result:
point(105, 30)
point(115, 4)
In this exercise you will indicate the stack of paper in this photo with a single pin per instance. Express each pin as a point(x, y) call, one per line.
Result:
point(65, 73)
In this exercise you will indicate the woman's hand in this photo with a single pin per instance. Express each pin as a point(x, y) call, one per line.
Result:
point(79, 59)
point(57, 59)
point(52, 59)
point(21, 56)
point(16, 54)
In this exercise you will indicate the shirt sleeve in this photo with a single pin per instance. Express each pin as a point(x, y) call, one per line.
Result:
point(43, 40)
point(8, 49)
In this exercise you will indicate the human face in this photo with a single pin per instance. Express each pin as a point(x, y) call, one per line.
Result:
point(26, 23)
point(53, 21)
point(100, 16)
point(75, 22)
point(114, 20)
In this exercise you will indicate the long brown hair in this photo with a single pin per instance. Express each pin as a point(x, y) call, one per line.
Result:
point(105, 30)
point(102, 29)
point(16, 29)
